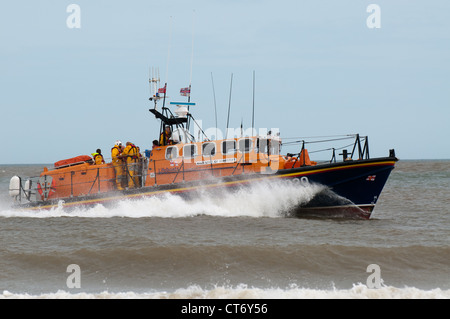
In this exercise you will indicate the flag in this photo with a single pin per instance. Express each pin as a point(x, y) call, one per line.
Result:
point(162, 90)
point(185, 91)
point(371, 178)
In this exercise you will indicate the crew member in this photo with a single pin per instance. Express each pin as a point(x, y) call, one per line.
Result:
point(116, 155)
point(166, 137)
point(132, 155)
point(98, 157)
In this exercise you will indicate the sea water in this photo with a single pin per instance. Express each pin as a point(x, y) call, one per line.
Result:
point(239, 245)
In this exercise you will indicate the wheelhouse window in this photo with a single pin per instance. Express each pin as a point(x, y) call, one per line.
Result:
point(229, 147)
point(275, 146)
point(209, 149)
point(171, 152)
point(245, 145)
point(190, 150)
point(268, 146)
point(261, 144)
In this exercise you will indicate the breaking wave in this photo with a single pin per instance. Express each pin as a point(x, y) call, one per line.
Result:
point(263, 199)
point(358, 291)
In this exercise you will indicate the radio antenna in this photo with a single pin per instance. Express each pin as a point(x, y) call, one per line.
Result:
point(153, 83)
point(167, 65)
point(229, 106)
point(168, 50)
point(253, 112)
point(192, 56)
point(190, 75)
point(214, 95)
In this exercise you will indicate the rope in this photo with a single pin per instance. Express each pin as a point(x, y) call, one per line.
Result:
point(319, 141)
point(324, 136)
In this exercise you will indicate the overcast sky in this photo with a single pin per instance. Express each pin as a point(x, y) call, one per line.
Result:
point(320, 70)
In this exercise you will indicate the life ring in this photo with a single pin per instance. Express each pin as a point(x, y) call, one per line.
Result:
point(50, 190)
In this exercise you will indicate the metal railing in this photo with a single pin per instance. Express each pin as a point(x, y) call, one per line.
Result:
point(360, 147)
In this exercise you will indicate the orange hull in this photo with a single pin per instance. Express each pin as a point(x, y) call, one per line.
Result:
point(79, 180)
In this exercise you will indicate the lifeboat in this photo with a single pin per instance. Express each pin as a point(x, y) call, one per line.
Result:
point(182, 164)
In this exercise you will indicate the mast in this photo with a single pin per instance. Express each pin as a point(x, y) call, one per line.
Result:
point(190, 75)
point(253, 109)
point(215, 107)
point(229, 106)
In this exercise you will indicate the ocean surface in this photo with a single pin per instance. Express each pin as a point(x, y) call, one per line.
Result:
point(239, 246)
